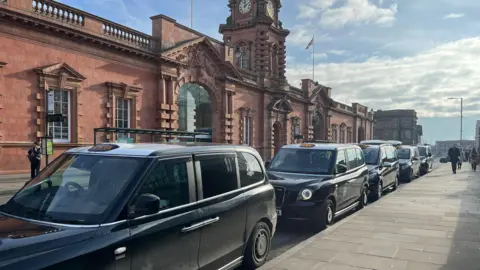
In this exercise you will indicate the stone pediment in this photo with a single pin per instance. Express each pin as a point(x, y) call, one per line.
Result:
point(280, 105)
point(201, 53)
point(61, 70)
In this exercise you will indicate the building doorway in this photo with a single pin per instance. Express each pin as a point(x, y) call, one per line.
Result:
point(318, 127)
point(361, 134)
point(195, 110)
point(277, 137)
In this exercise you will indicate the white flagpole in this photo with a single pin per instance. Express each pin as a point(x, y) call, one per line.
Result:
point(313, 58)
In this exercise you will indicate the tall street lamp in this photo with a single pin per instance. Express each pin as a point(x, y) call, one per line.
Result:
point(461, 118)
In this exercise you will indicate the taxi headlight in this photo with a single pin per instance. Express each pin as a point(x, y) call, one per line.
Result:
point(305, 194)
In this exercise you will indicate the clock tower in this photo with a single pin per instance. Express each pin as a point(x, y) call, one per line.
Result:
point(255, 32)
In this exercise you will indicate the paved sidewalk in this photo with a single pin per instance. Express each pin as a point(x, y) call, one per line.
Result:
point(432, 223)
point(9, 184)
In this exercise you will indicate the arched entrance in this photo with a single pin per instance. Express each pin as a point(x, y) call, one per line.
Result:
point(195, 110)
point(277, 136)
point(318, 127)
point(361, 134)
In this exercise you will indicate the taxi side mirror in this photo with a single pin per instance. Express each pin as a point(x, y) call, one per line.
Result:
point(147, 204)
point(267, 163)
point(341, 168)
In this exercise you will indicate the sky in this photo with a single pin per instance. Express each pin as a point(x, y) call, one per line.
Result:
point(385, 54)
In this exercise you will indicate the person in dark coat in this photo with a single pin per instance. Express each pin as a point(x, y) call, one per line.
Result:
point(474, 159)
point(454, 154)
point(35, 157)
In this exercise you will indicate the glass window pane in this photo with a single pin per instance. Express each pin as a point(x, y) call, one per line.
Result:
point(352, 158)
point(57, 108)
point(250, 169)
point(65, 96)
point(56, 95)
point(64, 109)
point(218, 175)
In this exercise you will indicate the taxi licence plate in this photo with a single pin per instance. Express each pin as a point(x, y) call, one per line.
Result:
point(279, 212)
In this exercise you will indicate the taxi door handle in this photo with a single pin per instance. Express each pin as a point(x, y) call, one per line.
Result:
point(200, 224)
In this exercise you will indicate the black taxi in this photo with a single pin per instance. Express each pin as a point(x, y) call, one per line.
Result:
point(142, 206)
point(317, 182)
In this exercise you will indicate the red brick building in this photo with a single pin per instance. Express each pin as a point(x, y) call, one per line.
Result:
point(98, 73)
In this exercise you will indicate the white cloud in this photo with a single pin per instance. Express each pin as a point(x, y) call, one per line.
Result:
point(351, 12)
point(338, 52)
point(306, 12)
point(453, 16)
point(422, 82)
point(358, 12)
point(320, 56)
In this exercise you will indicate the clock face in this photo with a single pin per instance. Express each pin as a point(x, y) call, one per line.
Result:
point(245, 6)
point(270, 9)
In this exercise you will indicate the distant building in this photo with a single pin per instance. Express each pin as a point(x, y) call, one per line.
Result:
point(477, 134)
point(399, 125)
point(441, 147)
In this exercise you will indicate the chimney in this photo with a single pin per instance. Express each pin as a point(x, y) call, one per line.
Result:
point(308, 86)
point(163, 28)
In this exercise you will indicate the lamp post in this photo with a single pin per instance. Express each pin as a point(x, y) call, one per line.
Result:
point(461, 118)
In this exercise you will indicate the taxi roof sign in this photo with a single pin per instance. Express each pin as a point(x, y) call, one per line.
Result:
point(307, 145)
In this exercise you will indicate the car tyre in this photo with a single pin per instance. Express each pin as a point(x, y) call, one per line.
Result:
point(395, 184)
point(326, 217)
point(363, 201)
point(258, 246)
point(377, 191)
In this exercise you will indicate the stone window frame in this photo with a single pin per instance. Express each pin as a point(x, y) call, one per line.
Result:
point(68, 80)
point(69, 114)
point(343, 138)
point(334, 132)
point(124, 91)
point(296, 123)
point(247, 113)
point(243, 55)
point(349, 135)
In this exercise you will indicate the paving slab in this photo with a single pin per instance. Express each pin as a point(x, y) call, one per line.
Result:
point(431, 223)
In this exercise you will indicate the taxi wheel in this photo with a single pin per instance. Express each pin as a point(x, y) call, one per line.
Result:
point(377, 191)
point(258, 246)
point(395, 185)
point(363, 201)
point(325, 217)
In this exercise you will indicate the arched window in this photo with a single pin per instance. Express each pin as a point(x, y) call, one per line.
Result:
point(242, 55)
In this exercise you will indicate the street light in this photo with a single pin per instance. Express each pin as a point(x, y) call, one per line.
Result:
point(461, 117)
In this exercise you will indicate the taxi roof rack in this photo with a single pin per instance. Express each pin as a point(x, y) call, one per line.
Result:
point(152, 132)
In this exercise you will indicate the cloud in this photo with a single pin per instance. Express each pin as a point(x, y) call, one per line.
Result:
point(306, 12)
point(358, 12)
point(453, 16)
point(338, 52)
point(351, 12)
point(421, 82)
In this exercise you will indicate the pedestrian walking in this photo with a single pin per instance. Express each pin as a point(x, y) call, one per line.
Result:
point(474, 159)
point(462, 158)
point(454, 154)
point(35, 157)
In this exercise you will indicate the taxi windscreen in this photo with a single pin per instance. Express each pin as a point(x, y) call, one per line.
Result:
point(303, 160)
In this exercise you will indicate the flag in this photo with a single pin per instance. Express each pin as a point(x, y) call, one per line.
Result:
point(310, 43)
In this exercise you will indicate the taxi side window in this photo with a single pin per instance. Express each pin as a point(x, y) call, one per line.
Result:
point(219, 174)
point(360, 157)
point(390, 151)
point(169, 181)
point(341, 159)
point(250, 169)
point(352, 158)
point(383, 154)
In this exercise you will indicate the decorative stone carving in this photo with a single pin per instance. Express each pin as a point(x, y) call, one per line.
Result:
point(246, 112)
